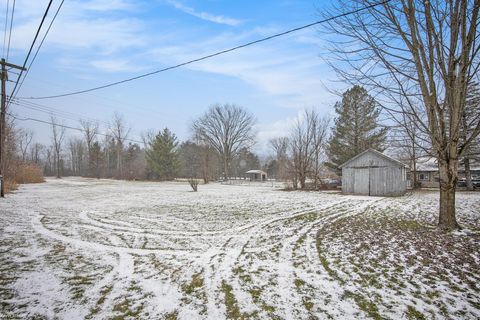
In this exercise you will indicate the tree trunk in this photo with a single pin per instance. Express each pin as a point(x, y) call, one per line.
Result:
point(58, 166)
point(302, 180)
point(448, 181)
point(414, 175)
point(225, 167)
point(205, 167)
point(468, 174)
point(414, 160)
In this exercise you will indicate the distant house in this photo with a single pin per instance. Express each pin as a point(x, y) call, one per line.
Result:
point(428, 177)
point(256, 175)
point(375, 174)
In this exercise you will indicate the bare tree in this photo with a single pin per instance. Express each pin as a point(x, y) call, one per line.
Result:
point(226, 128)
point(77, 155)
point(49, 161)
point(58, 134)
point(280, 147)
point(307, 143)
point(319, 129)
point(36, 150)
point(410, 144)
point(119, 131)
point(419, 57)
point(90, 132)
point(24, 139)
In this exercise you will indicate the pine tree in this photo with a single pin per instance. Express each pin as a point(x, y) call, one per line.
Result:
point(469, 116)
point(162, 155)
point(356, 126)
point(96, 160)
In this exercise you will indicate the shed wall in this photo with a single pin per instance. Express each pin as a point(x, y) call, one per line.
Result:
point(373, 175)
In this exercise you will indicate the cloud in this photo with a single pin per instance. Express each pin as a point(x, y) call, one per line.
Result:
point(115, 65)
point(205, 15)
point(289, 70)
point(276, 129)
point(80, 25)
point(102, 5)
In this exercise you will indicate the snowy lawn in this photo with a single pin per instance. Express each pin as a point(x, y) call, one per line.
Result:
point(86, 249)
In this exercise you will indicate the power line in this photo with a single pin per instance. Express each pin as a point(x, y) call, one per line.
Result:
point(67, 127)
point(6, 25)
point(31, 47)
point(39, 46)
point(61, 113)
point(211, 55)
point(10, 32)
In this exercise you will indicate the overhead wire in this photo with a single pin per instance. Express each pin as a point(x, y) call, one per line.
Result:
point(67, 127)
point(50, 110)
point(209, 55)
point(5, 32)
point(10, 32)
point(31, 47)
point(38, 48)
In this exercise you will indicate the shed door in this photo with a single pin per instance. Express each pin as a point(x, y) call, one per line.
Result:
point(361, 181)
point(378, 181)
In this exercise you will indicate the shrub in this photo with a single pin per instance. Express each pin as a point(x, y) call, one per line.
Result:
point(193, 183)
point(28, 173)
point(20, 173)
point(10, 185)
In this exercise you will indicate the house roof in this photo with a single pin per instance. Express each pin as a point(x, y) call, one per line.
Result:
point(427, 164)
point(378, 153)
point(430, 164)
point(256, 171)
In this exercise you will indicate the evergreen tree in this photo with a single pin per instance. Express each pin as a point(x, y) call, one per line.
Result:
point(96, 160)
point(162, 155)
point(356, 126)
point(469, 121)
point(190, 159)
point(244, 161)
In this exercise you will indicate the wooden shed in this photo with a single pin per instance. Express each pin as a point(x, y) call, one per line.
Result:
point(375, 174)
point(256, 175)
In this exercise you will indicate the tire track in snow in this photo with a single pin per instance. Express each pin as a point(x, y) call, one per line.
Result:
point(222, 263)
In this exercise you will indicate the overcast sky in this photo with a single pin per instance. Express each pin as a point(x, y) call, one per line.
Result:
point(96, 42)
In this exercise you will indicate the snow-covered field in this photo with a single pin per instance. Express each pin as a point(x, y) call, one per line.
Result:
point(86, 249)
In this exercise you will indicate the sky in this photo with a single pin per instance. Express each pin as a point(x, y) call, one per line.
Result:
point(94, 42)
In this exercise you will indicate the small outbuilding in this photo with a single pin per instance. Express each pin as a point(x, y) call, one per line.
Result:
point(375, 174)
point(256, 175)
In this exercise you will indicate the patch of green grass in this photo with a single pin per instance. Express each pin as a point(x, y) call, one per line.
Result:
point(231, 303)
point(125, 309)
point(79, 284)
point(307, 302)
point(367, 306)
point(299, 283)
point(301, 240)
point(171, 316)
point(233, 312)
point(414, 314)
point(104, 292)
point(242, 274)
point(256, 294)
point(196, 283)
point(308, 217)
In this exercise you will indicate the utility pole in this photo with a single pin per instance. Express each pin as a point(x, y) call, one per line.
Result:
point(3, 110)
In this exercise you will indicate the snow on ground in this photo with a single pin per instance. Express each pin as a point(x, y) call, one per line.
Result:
point(101, 249)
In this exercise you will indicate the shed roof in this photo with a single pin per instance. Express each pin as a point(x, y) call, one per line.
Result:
point(256, 171)
point(378, 153)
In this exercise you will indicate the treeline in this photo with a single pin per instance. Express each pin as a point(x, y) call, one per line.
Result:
point(307, 157)
point(158, 156)
point(18, 166)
